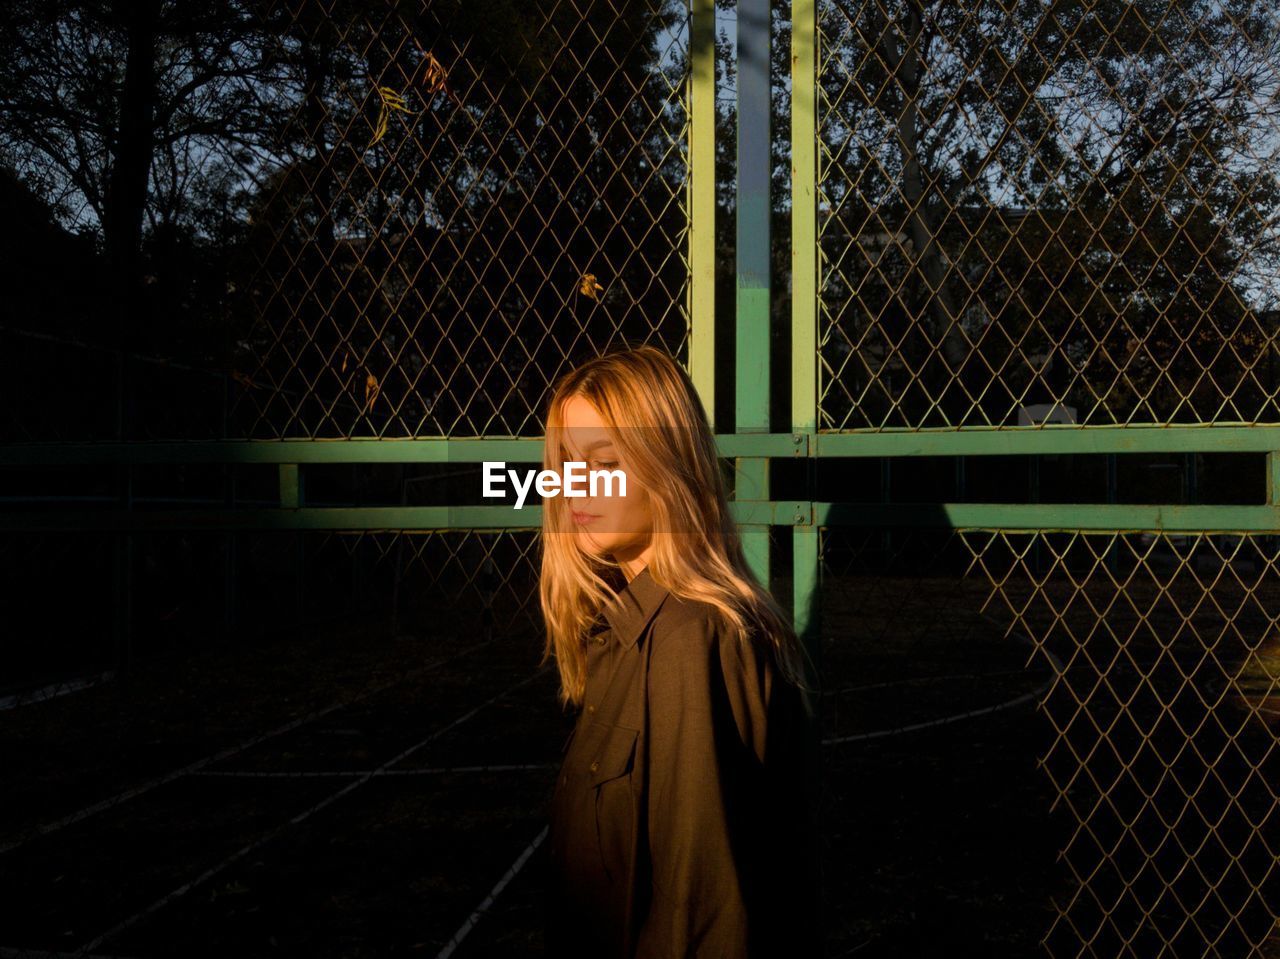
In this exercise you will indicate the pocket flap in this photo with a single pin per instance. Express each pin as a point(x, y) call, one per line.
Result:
point(614, 756)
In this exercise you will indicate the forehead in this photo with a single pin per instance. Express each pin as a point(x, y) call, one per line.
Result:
point(583, 425)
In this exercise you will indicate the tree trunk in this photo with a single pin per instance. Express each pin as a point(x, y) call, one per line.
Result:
point(907, 68)
point(131, 160)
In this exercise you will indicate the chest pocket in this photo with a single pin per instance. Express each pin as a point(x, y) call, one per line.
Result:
point(609, 794)
point(614, 756)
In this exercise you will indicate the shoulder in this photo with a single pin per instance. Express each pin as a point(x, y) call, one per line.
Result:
point(685, 627)
point(703, 672)
point(695, 634)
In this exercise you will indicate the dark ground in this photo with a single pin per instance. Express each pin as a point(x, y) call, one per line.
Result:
point(939, 841)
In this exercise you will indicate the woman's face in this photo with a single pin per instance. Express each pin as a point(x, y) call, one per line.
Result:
point(620, 526)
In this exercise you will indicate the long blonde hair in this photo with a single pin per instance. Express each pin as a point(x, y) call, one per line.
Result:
point(659, 424)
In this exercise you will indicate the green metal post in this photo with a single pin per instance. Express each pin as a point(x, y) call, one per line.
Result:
point(886, 493)
point(752, 355)
point(291, 497)
point(701, 203)
point(1273, 490)
point(1033, 484)
point(805, 545)
point(230, 564)
point(122, 622)
point(1112, 487)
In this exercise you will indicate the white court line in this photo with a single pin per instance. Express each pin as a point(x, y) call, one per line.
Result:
point(46, 828)
point(249, 774)
point(940, 722)
point(1057, 673)
point(54, 690)
point(9, 952)
point(305, 814)
point(479, 910)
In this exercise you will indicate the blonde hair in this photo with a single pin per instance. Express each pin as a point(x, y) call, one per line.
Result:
point(659, 425)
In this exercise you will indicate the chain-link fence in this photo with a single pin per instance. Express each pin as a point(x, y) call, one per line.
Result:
point(1064, 215)
point(402, 221)
point(1024, 206)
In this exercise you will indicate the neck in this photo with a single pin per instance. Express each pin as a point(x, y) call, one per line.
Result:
point(633, 561)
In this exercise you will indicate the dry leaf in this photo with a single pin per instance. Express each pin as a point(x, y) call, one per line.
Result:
point(390, 100)
point(589, 286)
point(370, 391)
point(434, 77)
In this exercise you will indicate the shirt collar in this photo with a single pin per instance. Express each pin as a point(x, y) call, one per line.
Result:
point(631, 609)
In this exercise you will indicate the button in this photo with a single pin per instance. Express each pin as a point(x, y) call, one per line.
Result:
point(591, 709)
point(594, 766)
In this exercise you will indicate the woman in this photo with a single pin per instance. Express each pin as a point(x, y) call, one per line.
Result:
point(682, 822)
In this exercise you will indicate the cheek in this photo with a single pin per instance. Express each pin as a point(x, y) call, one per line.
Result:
point(636, 507)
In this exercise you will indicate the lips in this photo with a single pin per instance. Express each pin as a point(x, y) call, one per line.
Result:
point(583, 518)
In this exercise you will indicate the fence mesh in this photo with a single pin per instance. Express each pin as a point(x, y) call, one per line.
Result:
point(459, 206)
point(1025, 205)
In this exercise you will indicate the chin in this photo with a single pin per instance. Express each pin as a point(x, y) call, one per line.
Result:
point(592, 544)
point(601, 544)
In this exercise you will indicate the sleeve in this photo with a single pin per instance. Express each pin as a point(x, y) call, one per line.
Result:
point(707, 717)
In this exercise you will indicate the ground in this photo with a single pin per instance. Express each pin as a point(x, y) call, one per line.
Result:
point(938, 840)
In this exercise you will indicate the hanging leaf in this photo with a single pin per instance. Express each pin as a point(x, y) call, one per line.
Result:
point(589, 287)
point(434, 77)
point(345, 355)
point(390, 101)
point(370, 391)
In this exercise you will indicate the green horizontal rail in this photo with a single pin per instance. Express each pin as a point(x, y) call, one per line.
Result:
point(1012, 441)
point(373, 450)
point(1039, 440)
point(988, 516)
point(1068, 517)
point(367, 518)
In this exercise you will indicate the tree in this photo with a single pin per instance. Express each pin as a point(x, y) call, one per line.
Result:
point(113, 109)
point(1089, 183)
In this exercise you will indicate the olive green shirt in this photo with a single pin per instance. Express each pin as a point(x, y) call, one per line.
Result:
point(682, 821)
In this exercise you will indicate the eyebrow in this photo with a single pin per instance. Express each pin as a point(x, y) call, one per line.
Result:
point(597, 444)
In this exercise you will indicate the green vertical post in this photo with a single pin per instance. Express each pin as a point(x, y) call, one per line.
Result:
point(805, 545)
point(1273, 490)
point(292, 495)
point(700, 201)
point(1033, 486)
point(124, 546)
point(1112, 488)
point(751, 386)
point(230, 565)
point(806, 548)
